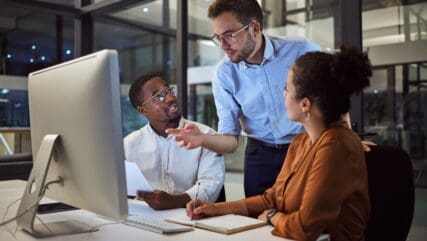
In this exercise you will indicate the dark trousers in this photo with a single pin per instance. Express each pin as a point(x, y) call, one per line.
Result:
point(262, 165)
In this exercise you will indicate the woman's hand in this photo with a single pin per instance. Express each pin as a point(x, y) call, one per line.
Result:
point(197, 209)
point(274, 220)
point(263, 215)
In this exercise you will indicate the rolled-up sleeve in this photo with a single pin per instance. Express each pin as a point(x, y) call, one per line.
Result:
point(210, 175)
point(228, 110)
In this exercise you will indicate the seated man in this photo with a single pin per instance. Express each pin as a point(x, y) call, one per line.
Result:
point(177, 175)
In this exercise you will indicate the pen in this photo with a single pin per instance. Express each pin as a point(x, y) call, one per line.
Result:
point(195, 200)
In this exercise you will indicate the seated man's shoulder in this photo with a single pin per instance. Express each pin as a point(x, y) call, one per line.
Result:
point(134, 135)
point(202, 127)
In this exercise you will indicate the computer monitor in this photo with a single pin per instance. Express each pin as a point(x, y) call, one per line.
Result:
point(76, 119)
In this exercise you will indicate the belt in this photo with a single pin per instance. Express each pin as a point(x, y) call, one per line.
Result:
point(261, 143)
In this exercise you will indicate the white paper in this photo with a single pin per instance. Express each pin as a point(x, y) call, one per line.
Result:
point(181, 219)
point(135, 180)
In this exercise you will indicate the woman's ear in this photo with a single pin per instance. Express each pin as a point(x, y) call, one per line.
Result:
point(305, 105)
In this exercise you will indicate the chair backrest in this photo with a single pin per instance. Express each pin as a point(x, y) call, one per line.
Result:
point(391, 191)
point(16, 166)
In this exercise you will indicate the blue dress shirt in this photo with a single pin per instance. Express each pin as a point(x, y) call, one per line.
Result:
point(250, 96)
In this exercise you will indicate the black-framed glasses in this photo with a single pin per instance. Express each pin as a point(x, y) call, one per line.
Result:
point(161, 95)
point(228, 37)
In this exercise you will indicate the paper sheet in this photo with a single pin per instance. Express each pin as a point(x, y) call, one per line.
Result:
point(135, 180)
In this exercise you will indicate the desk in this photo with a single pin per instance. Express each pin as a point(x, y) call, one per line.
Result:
point(12, 190)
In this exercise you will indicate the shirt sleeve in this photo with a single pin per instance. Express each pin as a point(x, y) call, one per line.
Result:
point(228, 110)
point(321, 204)
point(311, 46)
point(127, 147)
point(210, 175)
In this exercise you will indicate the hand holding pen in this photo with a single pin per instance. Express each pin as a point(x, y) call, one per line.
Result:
point(197, 209)
point(195, 200)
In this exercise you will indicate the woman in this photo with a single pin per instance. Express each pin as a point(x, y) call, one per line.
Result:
point(322, 186)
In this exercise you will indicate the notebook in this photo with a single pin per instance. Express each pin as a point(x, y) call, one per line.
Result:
point(226, 224)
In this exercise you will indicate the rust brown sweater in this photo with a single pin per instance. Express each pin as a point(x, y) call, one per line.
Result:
point(322, 187)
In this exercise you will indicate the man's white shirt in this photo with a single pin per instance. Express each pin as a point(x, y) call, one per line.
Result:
point(173, 169)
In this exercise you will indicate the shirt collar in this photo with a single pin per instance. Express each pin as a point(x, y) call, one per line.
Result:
point(269, 49)
point(268, 53)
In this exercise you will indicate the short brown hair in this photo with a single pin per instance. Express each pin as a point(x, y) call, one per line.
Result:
point(245, 10)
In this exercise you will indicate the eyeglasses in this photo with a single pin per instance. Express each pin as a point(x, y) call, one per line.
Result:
point(228, 37)
point(161, 95)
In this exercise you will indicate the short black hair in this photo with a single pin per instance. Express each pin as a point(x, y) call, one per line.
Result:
point(329, 80)
point(245, 10)
point(136, 87)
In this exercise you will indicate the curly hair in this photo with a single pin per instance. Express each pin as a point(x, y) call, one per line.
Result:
point(329, 80)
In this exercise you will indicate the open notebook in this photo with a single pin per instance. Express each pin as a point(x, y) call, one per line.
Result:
point(226, 224)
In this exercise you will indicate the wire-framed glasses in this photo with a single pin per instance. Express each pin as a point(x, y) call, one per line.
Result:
point(228, 37)
point(161, 95)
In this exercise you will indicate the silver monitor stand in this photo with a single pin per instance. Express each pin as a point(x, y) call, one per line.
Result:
point(34, 192)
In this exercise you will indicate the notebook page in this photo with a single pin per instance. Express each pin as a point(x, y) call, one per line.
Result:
point(229, 223)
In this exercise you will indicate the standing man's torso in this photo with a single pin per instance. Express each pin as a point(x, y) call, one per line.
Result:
point(252, 95)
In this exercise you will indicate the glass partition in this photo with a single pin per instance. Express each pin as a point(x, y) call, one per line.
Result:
point(395, 105)
point(388, 22)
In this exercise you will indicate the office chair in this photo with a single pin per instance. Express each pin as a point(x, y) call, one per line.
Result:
point(391, 192)
point(16, 166)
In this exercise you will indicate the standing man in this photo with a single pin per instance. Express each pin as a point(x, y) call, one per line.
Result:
point(177, 175)
point(248, 86)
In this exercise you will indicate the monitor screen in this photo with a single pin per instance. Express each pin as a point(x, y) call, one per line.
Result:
point(79, 100)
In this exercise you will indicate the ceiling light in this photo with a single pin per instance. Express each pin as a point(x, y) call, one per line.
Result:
point(145, 10)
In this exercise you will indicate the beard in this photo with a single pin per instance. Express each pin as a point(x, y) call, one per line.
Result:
point(245, 52)
point(175, 121)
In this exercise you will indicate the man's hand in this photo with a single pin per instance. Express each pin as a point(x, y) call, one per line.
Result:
point(188, 137)
point(160, 200)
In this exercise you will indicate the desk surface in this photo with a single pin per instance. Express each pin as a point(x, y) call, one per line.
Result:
point(12, 190)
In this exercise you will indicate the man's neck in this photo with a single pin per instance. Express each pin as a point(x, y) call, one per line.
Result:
point(258, 55)
point(160, 127)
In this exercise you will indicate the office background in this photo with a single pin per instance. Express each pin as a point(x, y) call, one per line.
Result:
point(174, 36)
